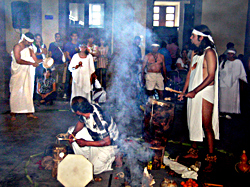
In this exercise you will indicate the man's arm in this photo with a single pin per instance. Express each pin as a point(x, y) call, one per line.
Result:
point(211, 62)
point(145, 61)
point(17, 54)
point(78, 127)
point(104, 142)
point(164, 68)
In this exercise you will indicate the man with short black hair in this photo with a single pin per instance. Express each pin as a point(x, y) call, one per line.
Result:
point(23, 66)
point(56, 52)
point(70, 49)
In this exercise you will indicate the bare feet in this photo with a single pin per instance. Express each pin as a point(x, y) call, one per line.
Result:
point(31, 116)
point(118, 160)
point(192, 153)
point(211, 159)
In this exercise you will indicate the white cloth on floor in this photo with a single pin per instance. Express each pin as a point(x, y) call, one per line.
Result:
point(229, 86)
point(194, 105)
point(81, 76)
point(22, 84)
point(101, 157)
point(180, 169)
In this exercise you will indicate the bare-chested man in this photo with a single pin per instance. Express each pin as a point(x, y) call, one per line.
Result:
point(23, 66)
point(202, 85)
point(154, 62)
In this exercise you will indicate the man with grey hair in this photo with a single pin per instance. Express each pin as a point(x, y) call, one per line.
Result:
point(23, 66)
point(231, 70)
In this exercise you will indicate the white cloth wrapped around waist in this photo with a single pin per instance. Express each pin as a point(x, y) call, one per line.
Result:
point(101, 157)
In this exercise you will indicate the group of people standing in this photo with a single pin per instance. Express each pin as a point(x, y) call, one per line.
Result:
point(77, 68)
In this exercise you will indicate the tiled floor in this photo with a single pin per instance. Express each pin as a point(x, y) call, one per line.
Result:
point(23, 139)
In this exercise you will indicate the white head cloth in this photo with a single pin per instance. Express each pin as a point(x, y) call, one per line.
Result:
point(202, 34)
point(155, 45)
point(231, 51)
point(26, 38)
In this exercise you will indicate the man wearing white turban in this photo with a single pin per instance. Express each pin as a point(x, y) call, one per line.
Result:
point(23, 66)
point(231, 70)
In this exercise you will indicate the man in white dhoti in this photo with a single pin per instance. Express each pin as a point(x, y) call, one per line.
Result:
point(23, 66)
point(82, 68)
point(231, 71)
point(94, 135)
point(202, 85)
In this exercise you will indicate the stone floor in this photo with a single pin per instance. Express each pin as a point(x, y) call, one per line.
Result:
point(25, 141)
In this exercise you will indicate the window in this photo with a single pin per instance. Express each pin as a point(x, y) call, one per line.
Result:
point(156, 17)
point(76, 14)
point(94, 17)
point(164, 16)
point(170, 16)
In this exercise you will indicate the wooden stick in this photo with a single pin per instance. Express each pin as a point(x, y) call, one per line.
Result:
point(172, 90)
point(74, 137)
point(210, 184)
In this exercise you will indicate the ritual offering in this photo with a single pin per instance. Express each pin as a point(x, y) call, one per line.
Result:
point(189, 183)
point(158, 121)
point(242, 166)
point(59, 153)
point(157, 159)
point(168, 183)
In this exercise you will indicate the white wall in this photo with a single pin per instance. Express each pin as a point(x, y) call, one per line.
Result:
point(50, 27)
point(227, 21)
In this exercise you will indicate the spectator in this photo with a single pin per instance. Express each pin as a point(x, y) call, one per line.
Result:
point(40, 51)
point(167, 56)
point(231, 70)
point(46, 88)
point(56, 52)
point(173, 48)
point(183, 62)
point(70, 49)
point(102, 63)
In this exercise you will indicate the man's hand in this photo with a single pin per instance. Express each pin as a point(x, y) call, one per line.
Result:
point(191, 94)
point(81, 142)
point(71, 139)
point(36, 64)
point(181, 96)
point(43, 96)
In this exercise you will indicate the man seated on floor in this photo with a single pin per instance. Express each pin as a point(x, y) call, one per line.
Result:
point(94, 135)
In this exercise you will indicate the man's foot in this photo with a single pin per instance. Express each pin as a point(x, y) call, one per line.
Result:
point(192, 153)
point(118, 161)
point(211, 159)
point(31, 116)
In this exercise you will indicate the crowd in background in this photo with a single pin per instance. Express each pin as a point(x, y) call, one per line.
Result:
point(176, 61)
